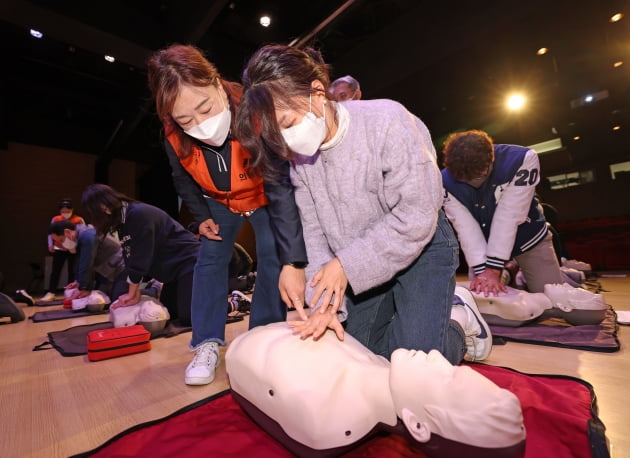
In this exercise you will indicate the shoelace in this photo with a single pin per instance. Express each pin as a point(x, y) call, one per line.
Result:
point(203, 357)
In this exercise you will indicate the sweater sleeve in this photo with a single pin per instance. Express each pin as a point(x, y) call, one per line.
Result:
point(513, 208)
point(412, 190)
point(285, 218)
point(186, 187)
point(319, 252)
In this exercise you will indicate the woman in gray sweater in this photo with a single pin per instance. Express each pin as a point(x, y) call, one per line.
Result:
point(382, 255)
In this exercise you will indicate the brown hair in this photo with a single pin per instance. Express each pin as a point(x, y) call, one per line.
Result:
point(273, 77)
point(468, 154)
point(98, 197)
point(177, 65)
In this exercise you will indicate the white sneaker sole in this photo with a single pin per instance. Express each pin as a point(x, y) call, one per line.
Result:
point(199, 380)
point(482, 346)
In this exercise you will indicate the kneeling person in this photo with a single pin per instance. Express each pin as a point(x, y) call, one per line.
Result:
point(96, 255)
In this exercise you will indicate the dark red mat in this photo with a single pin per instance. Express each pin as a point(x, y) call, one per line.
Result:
point(560, 417)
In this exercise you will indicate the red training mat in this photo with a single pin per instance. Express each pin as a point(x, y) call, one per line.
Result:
point(560, 418)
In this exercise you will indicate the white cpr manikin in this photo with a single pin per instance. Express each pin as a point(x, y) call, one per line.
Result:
point(96, 300)
point(517, 307)
point(576, 305)
point(330, 393)
point(147, 310)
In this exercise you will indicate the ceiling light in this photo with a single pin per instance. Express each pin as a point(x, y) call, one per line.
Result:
point(588, 98)
point(542, 51)
point(265, 21)
point(576, 138)
point(616, 17)
point(617, 127)
point(110, 58)
point(618, 64)
point(515, 102)
point(36, 33)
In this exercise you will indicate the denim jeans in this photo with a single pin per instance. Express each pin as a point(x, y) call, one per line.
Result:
point(413, 310)
point(210, 283)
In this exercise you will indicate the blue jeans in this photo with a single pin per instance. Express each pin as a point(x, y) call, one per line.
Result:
point(413, 310)
point(210, 282)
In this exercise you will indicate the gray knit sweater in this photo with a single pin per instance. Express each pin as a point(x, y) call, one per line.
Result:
point(372, 200)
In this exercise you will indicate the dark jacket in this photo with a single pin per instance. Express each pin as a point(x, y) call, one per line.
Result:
point(155, 245)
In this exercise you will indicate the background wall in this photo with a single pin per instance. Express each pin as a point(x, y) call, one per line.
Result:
point(33, 180)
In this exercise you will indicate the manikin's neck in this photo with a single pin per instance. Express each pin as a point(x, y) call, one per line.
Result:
point(377, 386)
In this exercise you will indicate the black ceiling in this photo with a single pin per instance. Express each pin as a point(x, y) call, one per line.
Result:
point(449, 62)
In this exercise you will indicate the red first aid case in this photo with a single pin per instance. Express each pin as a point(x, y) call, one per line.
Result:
point(112, 342)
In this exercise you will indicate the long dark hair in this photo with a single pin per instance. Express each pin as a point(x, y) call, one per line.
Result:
point(172, 67)
point(103, 207)
point(273, 77)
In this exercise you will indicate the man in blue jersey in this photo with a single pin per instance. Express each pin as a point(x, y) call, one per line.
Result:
point(489, 199)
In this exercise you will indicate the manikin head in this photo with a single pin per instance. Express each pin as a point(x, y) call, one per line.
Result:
point(567, 298)
point(95, 301)
point(433, 397)
point(147, 310)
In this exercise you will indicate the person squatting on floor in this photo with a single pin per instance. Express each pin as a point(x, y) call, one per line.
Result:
point(100, 260)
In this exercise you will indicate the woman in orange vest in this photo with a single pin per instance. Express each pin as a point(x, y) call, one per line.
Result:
point(211, 174)
point(61, 253)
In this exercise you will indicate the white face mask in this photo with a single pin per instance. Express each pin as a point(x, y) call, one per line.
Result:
point(66, 215)
point(306, 137)
point(69, 245)
point(213, 130)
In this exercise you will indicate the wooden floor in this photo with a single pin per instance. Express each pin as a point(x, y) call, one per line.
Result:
point(55, 406)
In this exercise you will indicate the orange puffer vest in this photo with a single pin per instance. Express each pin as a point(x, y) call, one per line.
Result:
point(246, 185)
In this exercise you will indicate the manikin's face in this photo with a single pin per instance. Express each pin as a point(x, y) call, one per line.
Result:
point(414, 375)
point(455, 402)
point(195, 104)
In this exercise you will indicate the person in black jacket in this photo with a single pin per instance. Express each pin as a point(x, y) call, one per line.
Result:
point(214, 176)
point(154, 245)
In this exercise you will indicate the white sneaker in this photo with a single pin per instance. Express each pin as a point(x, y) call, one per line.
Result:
point(478, 335)
point(201, 369)
point(48, 297)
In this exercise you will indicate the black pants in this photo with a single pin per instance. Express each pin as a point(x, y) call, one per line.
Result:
point(59, 258)
point(177, 297)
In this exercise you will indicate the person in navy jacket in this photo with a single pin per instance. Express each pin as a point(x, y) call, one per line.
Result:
point(489, 199)
point(154, 246)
